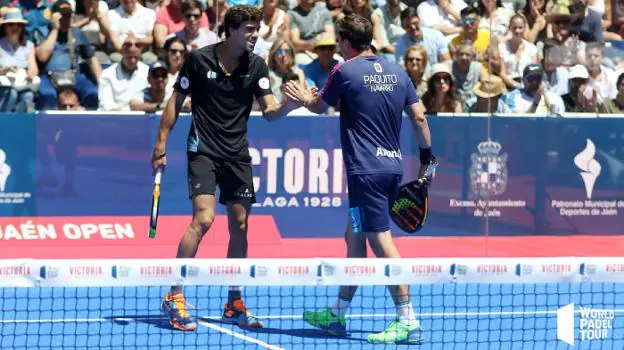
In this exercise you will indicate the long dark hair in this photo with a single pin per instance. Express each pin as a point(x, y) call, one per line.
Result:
point(23, 37)
point(450, 100)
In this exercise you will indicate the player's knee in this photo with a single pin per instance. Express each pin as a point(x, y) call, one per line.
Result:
point(202, 220)
point(239, 227)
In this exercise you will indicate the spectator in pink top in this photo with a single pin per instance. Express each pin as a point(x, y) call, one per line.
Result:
point(169, 20)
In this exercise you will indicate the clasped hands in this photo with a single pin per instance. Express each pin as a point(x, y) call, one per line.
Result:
point(298, 94)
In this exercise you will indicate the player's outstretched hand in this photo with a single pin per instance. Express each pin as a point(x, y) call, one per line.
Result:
point(297, 92)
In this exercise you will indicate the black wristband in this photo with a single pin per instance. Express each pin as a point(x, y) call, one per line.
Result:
point(425, 155)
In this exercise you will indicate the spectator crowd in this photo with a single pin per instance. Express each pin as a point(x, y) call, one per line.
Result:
point(488, 56)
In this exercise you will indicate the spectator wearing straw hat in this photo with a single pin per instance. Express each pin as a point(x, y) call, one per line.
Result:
point(18, 66)
point(317, 71)
point(488, 98)
point(533, 97)
point(561, 22)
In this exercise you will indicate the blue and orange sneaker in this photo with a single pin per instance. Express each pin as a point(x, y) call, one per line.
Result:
point(174, 307)
point(236, 313)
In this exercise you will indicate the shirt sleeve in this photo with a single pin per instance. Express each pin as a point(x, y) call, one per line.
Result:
point(262, 84)
point(333, 89)
point(184, 82)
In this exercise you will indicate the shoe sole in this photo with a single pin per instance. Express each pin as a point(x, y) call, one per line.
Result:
point(328, 330)
point(408, 341)
point(250, 325)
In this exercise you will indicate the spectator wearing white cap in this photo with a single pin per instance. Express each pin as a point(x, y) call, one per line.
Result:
point(580, 97)
point(488, 97)
point(317, 71)
point(441, 96)
point(615, 105)
point(601, 78)
point(533, 98)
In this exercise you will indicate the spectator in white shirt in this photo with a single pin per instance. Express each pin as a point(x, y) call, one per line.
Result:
point(387, 26)
point(601, 78)
point(124, 80)
point(193, 35)
point(443, 15)
point(132, 17)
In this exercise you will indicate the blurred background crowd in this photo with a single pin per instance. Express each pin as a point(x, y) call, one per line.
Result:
point(500, 56)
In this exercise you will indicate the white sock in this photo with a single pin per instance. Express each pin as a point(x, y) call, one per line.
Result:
point(340, 307)
point(405, 312)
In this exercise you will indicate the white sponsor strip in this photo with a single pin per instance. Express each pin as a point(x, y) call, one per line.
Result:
point(296, 317)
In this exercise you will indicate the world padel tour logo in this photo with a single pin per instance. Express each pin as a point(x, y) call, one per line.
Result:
point(595, 324)
point(524, 270)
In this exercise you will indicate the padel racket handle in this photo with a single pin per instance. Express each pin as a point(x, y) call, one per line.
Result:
point(158, 176)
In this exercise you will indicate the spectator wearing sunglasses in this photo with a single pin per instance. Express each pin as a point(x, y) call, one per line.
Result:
point(533, 97)
point(152, 98)
point(282, 61)
point(441, 96)
point(175, 50)
point(124, 80)
point(193, 35)
point(170, 19)
point(480, 38)
point(317, 71)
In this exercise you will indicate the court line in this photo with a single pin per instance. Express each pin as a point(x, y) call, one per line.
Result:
point(239, 335)
point(432, 314)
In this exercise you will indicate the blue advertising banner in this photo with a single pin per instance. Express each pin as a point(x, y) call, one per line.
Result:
point(17, 164)
point(499, 176)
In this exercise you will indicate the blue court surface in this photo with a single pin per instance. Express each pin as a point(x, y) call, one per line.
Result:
point(453, 316)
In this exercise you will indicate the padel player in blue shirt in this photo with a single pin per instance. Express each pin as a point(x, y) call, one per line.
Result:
point(373, 94)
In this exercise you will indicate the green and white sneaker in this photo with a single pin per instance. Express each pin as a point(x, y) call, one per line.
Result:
point(399, 333)
point(334, 325)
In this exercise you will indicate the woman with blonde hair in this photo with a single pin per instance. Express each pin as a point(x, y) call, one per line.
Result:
point(441, 96)
point(282, 61)
point(416, 61)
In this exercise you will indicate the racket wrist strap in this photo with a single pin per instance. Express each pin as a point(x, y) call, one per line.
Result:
point(425, 155)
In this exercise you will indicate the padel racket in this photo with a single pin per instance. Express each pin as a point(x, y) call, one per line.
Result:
point(409, 211)
point(155, 204)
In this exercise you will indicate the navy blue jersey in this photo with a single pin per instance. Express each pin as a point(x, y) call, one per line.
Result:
point(373, 94)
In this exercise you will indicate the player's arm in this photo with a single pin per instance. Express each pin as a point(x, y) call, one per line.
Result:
point(172, 110)
point(272, 110)
point(318, 103)
point(416, 114)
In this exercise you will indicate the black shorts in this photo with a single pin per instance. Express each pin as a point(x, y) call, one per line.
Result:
point(234, 178)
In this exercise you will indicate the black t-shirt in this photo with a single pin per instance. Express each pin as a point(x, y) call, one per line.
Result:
point(221, 104)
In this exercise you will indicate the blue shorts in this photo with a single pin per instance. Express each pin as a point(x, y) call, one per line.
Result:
point(370, 199)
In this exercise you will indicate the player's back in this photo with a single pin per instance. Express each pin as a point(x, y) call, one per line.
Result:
point(373, 95)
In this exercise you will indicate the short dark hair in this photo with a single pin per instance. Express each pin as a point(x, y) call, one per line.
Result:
point(191, 5)
point(408, 13)
point(357, 30)
point(237, 15)
point(469, 10)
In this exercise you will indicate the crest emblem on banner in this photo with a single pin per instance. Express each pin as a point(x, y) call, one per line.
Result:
point(488, 174)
